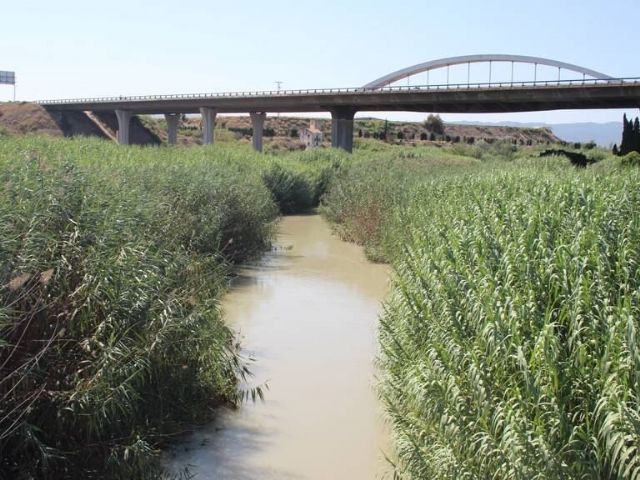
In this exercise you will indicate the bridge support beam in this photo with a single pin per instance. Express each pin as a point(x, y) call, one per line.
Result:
point(173, 119)
point(257, 125)
point(342, 128)
point(124, 121)
point(208, 124)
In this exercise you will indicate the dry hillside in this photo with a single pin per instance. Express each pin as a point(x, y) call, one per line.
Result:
point(288, 128)
point(22, 118)
point(280, 132)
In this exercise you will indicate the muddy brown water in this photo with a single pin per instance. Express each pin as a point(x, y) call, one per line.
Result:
point(307, 314)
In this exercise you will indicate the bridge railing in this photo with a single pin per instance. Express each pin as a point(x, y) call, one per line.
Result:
point(357, 90)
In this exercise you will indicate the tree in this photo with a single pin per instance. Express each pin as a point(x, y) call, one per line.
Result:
point(434, 124)
point(630, 135)
point(385, 131)
point(615, 149)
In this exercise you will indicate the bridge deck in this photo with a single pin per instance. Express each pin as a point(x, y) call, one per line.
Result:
point(476, 98)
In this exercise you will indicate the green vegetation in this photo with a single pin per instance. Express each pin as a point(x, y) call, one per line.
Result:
point(630, 137)
point(374, 183)
point(434, 124)
point(112, 263)
point(631, 159)
point(509, 343)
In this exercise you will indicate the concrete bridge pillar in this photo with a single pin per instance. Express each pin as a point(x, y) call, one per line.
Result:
point(124, 121)
point(257, 125)
point(208, 124)
point(173, 119)
point(342, 128)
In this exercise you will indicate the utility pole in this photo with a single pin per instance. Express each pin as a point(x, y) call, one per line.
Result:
point(279, 85)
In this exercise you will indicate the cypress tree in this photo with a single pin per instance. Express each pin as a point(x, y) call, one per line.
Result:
point(636, 136)
point(625, 144)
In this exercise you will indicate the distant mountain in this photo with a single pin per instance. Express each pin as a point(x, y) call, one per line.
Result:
point(604, 134)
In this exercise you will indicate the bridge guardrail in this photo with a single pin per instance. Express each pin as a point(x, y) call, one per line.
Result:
point(359, 90)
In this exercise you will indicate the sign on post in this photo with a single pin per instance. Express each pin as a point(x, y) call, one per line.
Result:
point(8, 78)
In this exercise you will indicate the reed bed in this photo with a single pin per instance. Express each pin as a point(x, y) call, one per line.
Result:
point(509, 345)
point(112, 263)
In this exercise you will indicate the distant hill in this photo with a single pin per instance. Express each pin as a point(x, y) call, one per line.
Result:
point(604, 134)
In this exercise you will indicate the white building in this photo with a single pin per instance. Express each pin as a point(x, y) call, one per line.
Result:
point(312, 136)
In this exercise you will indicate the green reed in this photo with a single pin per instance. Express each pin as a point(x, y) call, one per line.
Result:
point(112, 263)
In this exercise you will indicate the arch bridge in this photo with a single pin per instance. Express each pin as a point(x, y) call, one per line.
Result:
point(490, 59)
point(591, 89)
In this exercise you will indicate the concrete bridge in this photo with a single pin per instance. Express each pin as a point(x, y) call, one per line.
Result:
point(594, 90)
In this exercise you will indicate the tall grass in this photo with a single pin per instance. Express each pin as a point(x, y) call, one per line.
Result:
point(365, 191)
point(298, 180)
point(509, 345)
point(112, 261)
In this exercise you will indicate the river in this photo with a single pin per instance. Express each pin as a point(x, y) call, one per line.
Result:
point(307, 313)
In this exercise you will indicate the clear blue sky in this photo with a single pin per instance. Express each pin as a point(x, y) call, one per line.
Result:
point(72, 48)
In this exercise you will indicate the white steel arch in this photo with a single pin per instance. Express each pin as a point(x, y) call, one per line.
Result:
point(468, 59)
